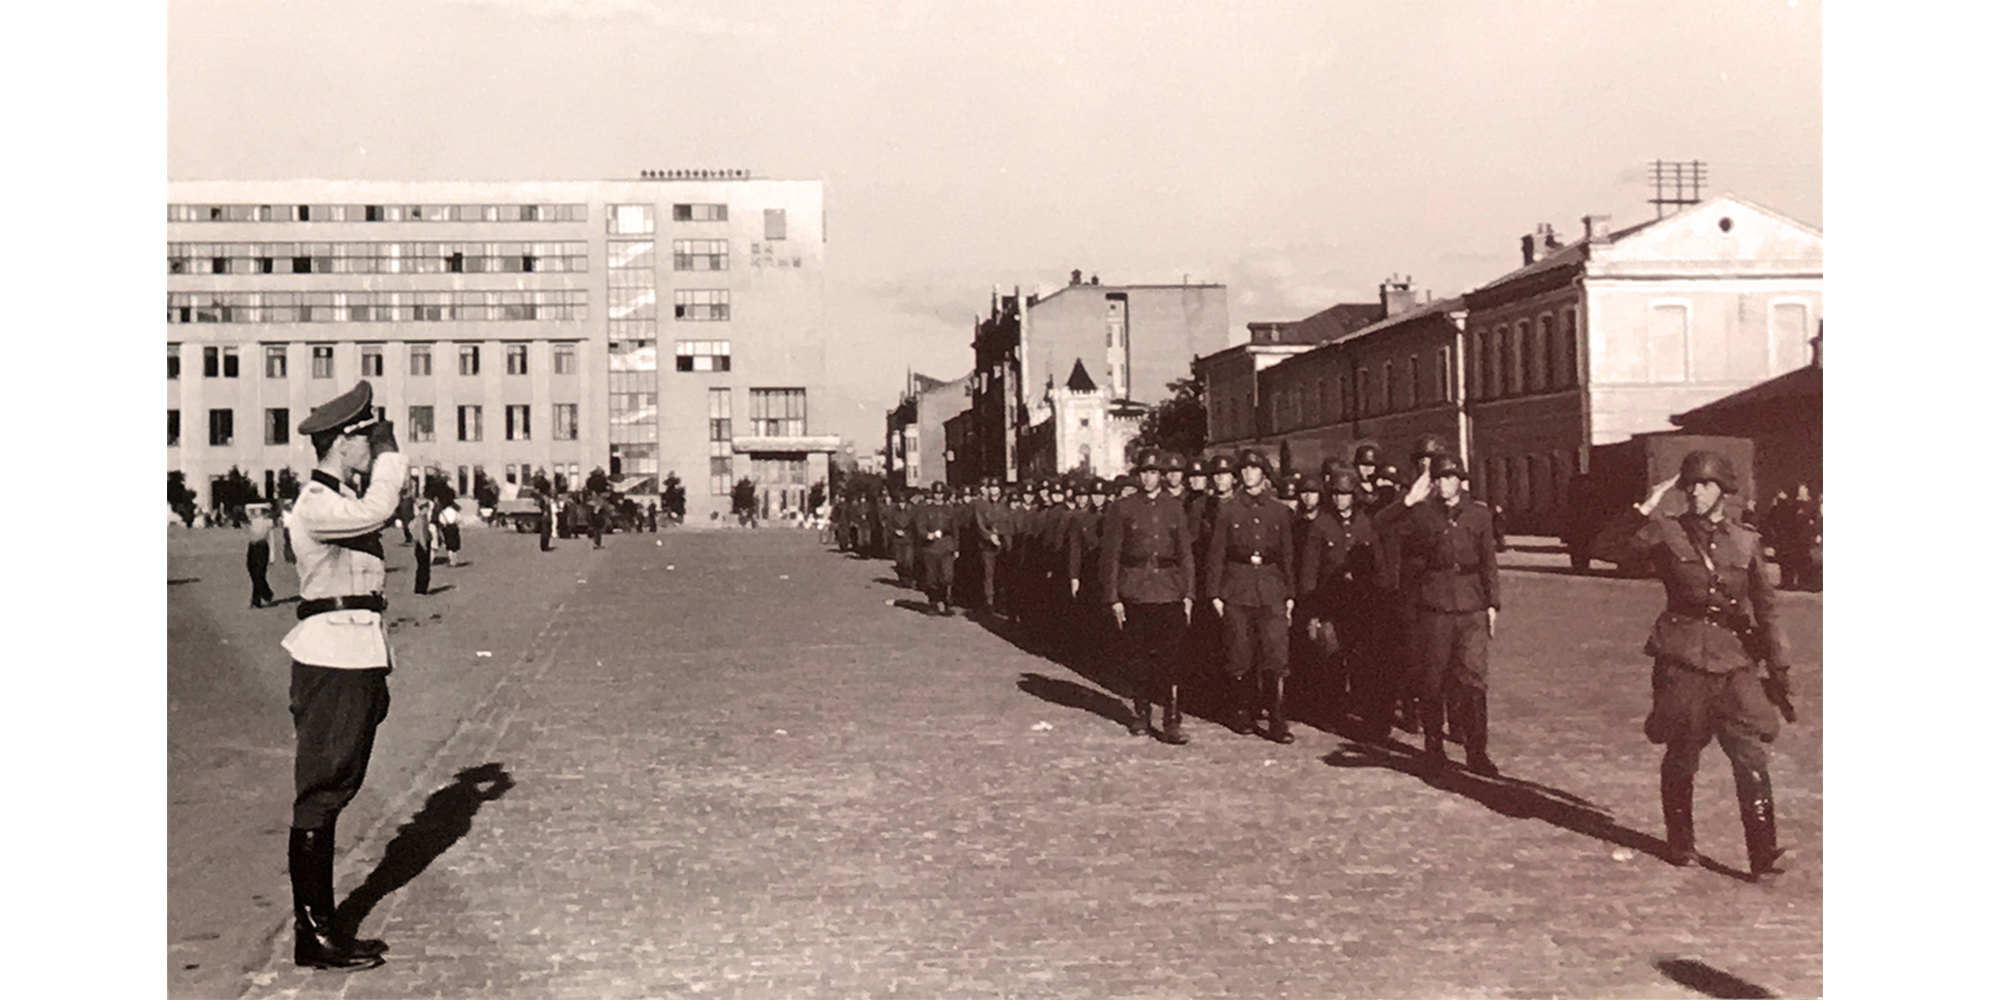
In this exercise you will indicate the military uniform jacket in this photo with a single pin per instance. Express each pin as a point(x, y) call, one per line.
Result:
point(337, 537)
point(900, 522)
point(1081, 549)
point(988, 525)
point(1443, 557)
point(1146, 553)
point(941, 519)
point(1201, 522)
point(1717, 594)
point(1338, 564)
point(1250, 550)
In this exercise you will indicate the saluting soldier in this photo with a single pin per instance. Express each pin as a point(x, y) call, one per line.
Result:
point(1146, 571)
point(1721, 622)
point(1338, 578)
point(1442, 545)
point(340, 655)
point(1249, 575)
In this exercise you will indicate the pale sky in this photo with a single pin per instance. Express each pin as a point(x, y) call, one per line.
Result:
point(1299, 152)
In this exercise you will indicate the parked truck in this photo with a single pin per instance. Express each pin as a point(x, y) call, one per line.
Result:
point(1621, 473)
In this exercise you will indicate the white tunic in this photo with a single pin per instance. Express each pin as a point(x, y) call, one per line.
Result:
point(352, 638)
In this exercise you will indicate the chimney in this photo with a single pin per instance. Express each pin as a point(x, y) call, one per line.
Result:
point(1076, 276)
point(1093, 279)
point(1397, 298)
point(1596, 228)
point(1550, 241)
point(1527, 249)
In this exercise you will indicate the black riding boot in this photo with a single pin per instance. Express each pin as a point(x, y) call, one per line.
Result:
point(1141, 722)
point(1242, 711)
point(1760, 822)
point(1170, 725)
point(1281, 731)
point(1430, 713)
point(1677, 807)
point(320, 943)
point(1472, 721)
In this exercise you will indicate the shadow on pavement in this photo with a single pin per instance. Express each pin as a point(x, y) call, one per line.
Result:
point(890, 581)
point(1515, 797)
point(1070, 694)
point(175, 581)
point(445, 818)
point(294, 599)
point(1709, 980)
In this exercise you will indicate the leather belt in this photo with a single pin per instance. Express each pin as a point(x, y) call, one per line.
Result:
point(345, 602)
point(1157, 562)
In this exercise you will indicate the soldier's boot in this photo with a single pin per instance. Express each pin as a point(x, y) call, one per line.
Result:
point(1677, 808)
point(320, 944)
point(1141, 722)
point(1281, 731)
point(1430, 715)
point(1473, 718)
point(1170, 724)
point(1760, 823)
point(1242, 690)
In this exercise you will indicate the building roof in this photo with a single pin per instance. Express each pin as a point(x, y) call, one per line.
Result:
point(1334, 322)
point(1435, 307)
point(1797, 386)
point(1079, 379)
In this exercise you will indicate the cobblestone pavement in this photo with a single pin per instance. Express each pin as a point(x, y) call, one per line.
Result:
point(731, 766)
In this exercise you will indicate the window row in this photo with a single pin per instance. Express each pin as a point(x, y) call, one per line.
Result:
point(378, 213)
point(701, 304)
point(701, 355)
point(701, 255)
point(222, 361)
point(517, 424)
point(1524, 357)
point(376, 258)
point(1526, 484)
point(376, 307)
point(777, 412)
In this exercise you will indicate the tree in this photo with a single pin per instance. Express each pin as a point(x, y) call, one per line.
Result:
point(1180, 423)
point(597, 482)
point(816, 496)
point(234, 490)
point(485, 492)
point(743, 498)
point(561, 484)
point(178, 493)
point(438, 490)
point(288, 484)
point(540, 483)
point(674, 497)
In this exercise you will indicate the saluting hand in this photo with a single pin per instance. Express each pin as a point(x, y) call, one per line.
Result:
point(1118, 612)
point(1187, 609)
point(1074, 586)
point(1218, 606)
point(1658, 493)
point(1492, 622)
point(1288, 612)
point(1419, 490)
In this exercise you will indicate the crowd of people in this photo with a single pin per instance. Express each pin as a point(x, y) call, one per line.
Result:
point(1365, 594)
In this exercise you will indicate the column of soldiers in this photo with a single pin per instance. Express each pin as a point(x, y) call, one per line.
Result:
point(1380, 594)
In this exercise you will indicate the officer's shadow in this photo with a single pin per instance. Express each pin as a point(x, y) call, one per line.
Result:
point(1508, 796)
point(445, 818)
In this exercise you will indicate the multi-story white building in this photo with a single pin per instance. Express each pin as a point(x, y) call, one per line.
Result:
point(670, 324)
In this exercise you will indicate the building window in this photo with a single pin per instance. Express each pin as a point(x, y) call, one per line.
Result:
point(229, 363)
point(720, 434)
point(1666, 342)
point(517, 359)
point(274, 361)
point(697, 305)
point(565, 429)
point(1443, 382)
point(1569, 350)
point(1545, 342)
point(221, 428)
point(211, 362)
point(701, 255)
point(420, 360)
point(322, 361)
point(1416, 383)
point(1517, 358)
point(565, 359)
point(173, 428)
point(423, 424)
point(777, 412)
point(277, 425)
point(1388, 404)
point(701, 213)
point(517, 422)
point(1791, 337)
point(701, 355)
point(173, 361)
point(468, 359)
point(628, 220)
point(774, 223)
point(471, 424)
point(371, 360)
point(1365, 402)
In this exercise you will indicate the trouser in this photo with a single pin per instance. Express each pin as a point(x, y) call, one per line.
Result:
point(1256, 635)
point(988, 568)
point(334, 713)
point(258, 561)
point(547, 544)
point(1450, 649)
point(904, 554)
point(938, 565)
point(1151, 642)
point(423, 569)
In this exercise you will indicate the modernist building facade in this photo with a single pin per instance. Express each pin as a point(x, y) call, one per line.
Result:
point(1032, 417)
point(669, 324)
point(1586, 343)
